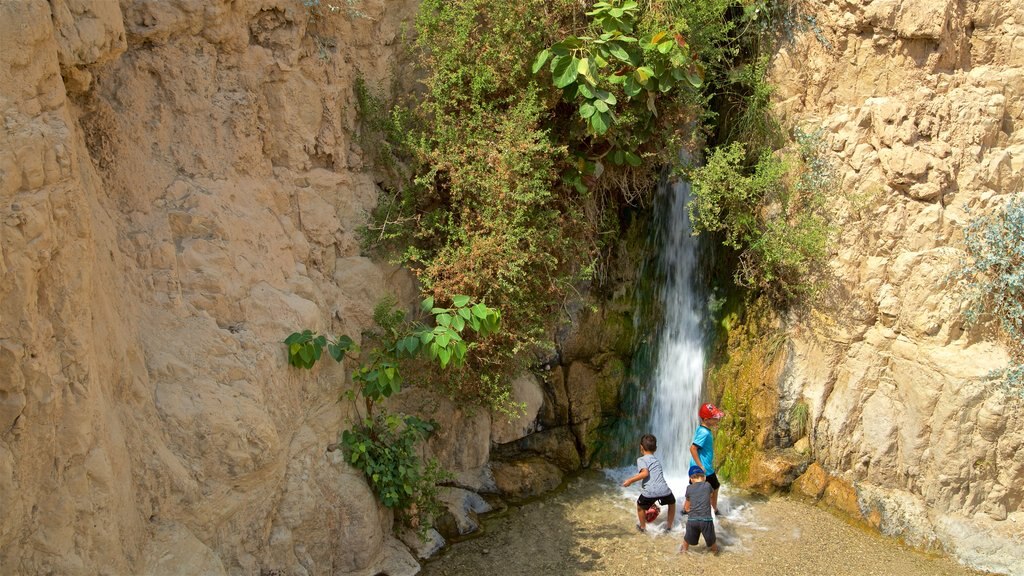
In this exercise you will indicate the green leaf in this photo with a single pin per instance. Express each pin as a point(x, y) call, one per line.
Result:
point(587, 110)
point(599, 122)
point(458, 323)
point(631, 87)
point(444, 320)
point(619, 51)
point(427, 303)
point(564, 70)
point(583, 66)
point(541, 59)
point(444, 355)
point(666, 46)
point(632, 159)
point(465, 313)
point(643, 74)
point(292, 338)
point(479, 310)
point(460, 301)
point(600, 105)
point(345, 343)
point(442, 340)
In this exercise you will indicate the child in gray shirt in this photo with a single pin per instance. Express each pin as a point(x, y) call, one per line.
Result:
point(698, 506)
point(655, 489)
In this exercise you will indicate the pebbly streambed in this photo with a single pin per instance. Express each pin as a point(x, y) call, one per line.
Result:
point(588, 528)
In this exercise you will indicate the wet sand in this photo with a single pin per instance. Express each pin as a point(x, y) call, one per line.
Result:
point(589, 528)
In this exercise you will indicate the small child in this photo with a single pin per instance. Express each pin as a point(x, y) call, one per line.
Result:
point(698, 506)
point(655, 489)
point(702, 450)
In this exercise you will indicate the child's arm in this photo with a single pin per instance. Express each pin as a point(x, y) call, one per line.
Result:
point(696, 457)
point(643, 473)
point(686, 505)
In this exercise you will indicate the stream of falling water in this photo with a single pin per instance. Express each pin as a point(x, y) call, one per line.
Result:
point(679, 373)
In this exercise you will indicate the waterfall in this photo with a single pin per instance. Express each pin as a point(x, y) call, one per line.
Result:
point(679, 372)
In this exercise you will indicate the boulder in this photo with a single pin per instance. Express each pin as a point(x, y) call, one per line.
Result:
point(522, 479)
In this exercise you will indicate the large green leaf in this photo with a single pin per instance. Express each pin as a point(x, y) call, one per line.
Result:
point(599, 122)
point(631, 87)
point(460, 300)
point(619, 51)
point(564, 70)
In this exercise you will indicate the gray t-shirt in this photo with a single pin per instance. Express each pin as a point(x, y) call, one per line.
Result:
point(699, 495)
point(654, 486)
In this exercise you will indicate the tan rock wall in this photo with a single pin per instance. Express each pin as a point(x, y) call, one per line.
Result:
point(920, 104)
point(180, 187)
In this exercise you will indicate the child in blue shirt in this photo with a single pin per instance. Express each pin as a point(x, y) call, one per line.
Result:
point(702, 450)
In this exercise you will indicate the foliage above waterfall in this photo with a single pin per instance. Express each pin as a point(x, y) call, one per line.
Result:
point(539, 121)
point(993, 277)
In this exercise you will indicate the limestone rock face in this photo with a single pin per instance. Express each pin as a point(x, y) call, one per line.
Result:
point(919, 105)
point(180, 190)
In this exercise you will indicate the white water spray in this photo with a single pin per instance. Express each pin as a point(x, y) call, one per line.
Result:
point(679, 374)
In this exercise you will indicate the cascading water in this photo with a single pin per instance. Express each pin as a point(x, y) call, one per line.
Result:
point(679, 372)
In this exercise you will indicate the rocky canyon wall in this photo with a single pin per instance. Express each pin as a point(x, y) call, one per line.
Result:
point(921, 108)
point(180, 188)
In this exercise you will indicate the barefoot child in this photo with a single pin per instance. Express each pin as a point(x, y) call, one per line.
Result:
point(702, 450)
point(698, 506)
point(655, 489)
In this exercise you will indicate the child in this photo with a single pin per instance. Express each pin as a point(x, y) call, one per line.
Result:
point(655, 489)
point(698, 506)
point(702, 450)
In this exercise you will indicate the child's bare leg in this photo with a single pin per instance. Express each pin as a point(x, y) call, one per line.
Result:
point(641, 516)
point(714, 549)
point(671, 516)
point(714, 501)
point(685, 549)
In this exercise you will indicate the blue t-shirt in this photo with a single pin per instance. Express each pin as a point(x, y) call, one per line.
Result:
point(705, 449)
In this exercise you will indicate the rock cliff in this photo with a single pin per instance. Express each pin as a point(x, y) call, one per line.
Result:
point(920, 106)
point(180, 188)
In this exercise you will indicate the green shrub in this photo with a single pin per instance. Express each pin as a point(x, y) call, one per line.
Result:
point(383, 445)
point(772, 213)
point(992, 276)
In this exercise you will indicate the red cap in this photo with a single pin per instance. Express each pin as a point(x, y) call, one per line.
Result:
point(709, 411)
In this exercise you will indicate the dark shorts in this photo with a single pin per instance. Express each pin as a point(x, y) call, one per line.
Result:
point(694, 529)
point(645, 502)
point(713, 480)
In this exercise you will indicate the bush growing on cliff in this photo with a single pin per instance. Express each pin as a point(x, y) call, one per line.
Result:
point(993, 278)
point(381, 444)
point(772, 212)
